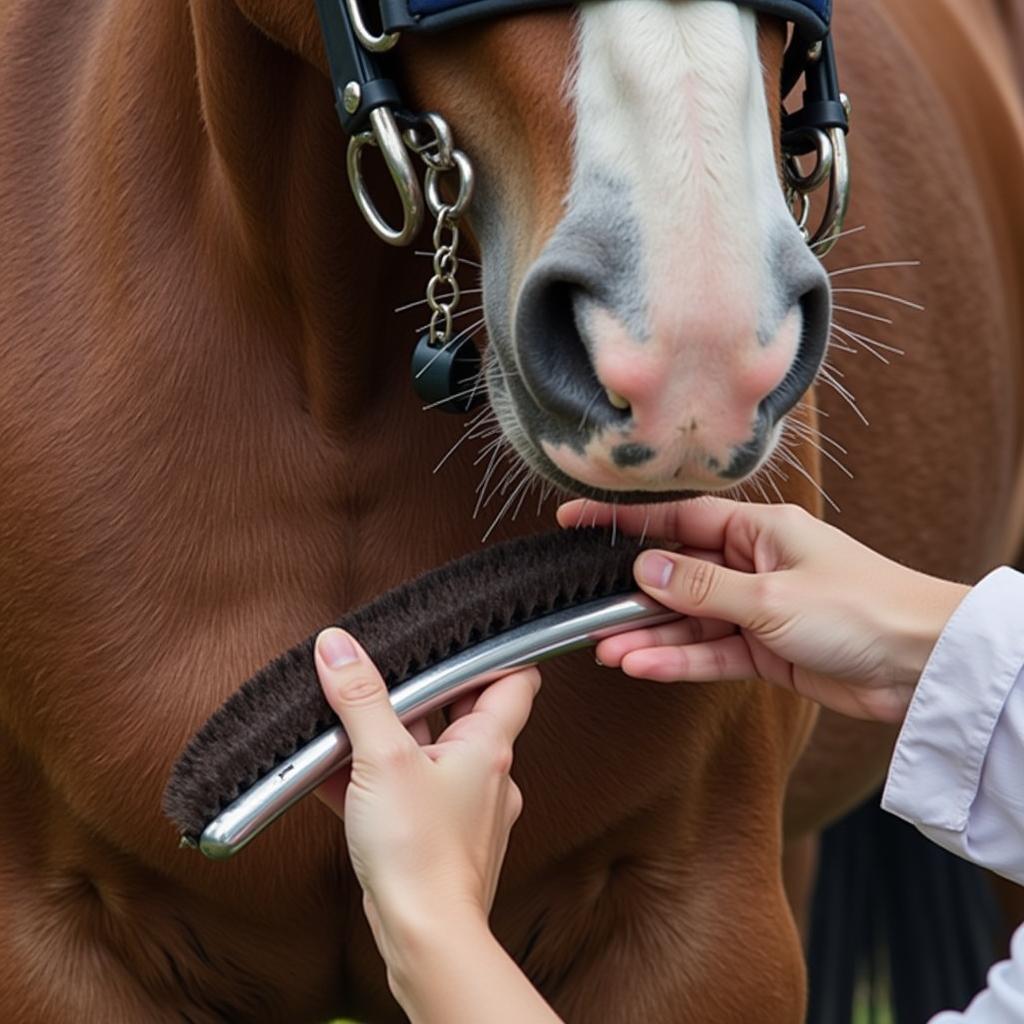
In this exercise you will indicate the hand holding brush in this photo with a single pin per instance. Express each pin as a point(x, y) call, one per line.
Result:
point(769, 592)
point(427, 828)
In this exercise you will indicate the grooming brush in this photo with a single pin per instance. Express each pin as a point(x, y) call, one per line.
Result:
point(434, 638)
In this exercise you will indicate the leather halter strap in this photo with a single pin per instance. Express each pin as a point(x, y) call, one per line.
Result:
point(371, 112)
point(361, 85)
point(811, 17)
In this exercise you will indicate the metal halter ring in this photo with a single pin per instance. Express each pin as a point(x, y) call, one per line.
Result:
point(832, 166)
point(375, 44)
point(804, 184)
point(838, 196)
point(385, 135)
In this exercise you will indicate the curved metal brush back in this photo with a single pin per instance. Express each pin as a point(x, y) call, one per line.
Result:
point(439, 628)
point(548, 637)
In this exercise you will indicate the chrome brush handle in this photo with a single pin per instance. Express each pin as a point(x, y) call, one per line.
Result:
point(544, 638)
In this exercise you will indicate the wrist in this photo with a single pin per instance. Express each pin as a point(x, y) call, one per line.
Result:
point(926, 609)
point(417, 941)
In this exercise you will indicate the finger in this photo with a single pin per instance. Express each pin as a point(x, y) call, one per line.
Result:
point(355, 690)
point(719, 660)
point(649, 520)
point(705, 556)
point(500, 712)
point(699, 522)
point(462, 707)
point(610, 652)
point(701, 589)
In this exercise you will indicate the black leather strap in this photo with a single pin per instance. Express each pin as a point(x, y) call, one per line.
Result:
point(812, 17)
point(351, 63)
point(822, 105)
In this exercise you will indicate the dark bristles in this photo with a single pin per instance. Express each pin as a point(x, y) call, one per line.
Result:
point(405, 631)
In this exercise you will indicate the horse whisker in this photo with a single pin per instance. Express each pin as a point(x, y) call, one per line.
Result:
point(545, 492)
point(867, 316)
point(867, 342)
point(890, 265)
point(795, 463)
point(823, 452)
point(879, 295)
point(814, 432)
point(835, 343)
point(756, 482)
point(505, 507)
point(530, 483)
point(482, 488)
point(814, 410)
point(462, 259)
point(455, 316)
point(845, 394)
point(769, 470)
point(833, 238)
point(426, 302)
point(468, 392)
point(467, 333)
point(647, 525)
point(471, 428)
point(839, 347)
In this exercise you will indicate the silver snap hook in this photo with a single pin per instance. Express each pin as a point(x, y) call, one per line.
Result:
point(384, 134)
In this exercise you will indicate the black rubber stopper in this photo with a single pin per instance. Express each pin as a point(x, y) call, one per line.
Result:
point(448, 378)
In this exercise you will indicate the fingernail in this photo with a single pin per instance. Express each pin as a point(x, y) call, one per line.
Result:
point(654, 570)
point(336, 649)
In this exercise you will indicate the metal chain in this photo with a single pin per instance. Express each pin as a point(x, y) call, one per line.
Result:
point(446, 265)
point(431, 138)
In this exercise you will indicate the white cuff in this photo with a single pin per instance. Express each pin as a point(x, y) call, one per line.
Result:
point(936, 767)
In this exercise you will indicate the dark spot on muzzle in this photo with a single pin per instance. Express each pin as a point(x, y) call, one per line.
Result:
point(746, 456)
point(626, 455)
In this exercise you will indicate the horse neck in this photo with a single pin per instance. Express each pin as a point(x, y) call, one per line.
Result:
point(245, 131)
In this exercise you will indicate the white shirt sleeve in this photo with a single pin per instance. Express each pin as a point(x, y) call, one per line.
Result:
point(958, 769)
point(1003, 1001)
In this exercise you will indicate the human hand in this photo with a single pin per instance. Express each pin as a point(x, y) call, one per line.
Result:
point(774, 593)
point(427, 827)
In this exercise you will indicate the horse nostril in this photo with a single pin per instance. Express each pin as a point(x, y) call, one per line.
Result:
point(816, 306)
point(552, 353)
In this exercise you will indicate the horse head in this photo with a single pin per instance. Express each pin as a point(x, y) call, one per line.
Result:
point(653, 310)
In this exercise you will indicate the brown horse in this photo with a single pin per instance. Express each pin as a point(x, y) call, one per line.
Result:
point(208, 445)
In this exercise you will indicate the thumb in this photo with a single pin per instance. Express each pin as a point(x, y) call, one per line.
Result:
point(355, 690)
point(696, 587)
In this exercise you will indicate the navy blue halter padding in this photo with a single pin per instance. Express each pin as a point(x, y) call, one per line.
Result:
point(811, 17)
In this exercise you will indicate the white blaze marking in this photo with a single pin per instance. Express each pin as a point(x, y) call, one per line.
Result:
point(670, 101)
